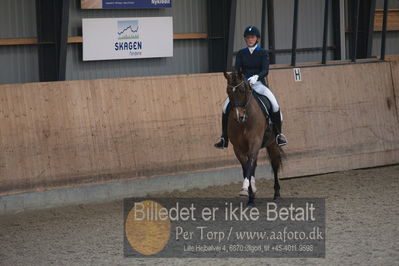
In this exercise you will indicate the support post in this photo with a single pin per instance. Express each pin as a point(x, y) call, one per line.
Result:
point(52, 30)
point(232, 28)
point(325, 32)
point(338, 29)
point(294, 34)
point(63, 39)
point(384, 30)
point(366, 28)
point(270, 30)
point(263, 26)
point(355, 30)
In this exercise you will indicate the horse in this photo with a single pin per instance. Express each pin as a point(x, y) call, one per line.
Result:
point(249, 131)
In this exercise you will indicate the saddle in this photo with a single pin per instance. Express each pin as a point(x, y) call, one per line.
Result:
point(264, 104)
point(266, 108)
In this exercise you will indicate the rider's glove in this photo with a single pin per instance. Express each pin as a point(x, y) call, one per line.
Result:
point(252, 80)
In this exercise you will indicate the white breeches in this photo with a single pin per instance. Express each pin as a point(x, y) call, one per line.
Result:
point(261, 89)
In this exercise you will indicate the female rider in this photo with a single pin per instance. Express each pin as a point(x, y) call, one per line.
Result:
point(253, 61)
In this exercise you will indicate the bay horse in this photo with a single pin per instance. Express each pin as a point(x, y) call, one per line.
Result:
point(249, 131)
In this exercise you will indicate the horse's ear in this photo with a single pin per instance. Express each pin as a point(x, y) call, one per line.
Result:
point(227, 76)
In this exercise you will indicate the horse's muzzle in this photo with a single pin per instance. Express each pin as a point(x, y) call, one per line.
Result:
point(242, 118)
point(241, 115)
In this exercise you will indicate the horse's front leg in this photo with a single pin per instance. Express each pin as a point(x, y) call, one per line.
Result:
point(251, 164)
point(243, 160)
point(250, 172)
point(250, 175)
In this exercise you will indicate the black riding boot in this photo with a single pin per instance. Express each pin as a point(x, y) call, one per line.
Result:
point(224, 140)
point(276, 119)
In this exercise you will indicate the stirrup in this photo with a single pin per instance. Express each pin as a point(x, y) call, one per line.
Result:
point(223, 143)
point(281, 140)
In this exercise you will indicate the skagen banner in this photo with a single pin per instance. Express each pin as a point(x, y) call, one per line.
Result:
point(99, 4)
point(127, 38)
point(223, 228)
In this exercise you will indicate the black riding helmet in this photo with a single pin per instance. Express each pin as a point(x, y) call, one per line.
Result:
point(251, 30)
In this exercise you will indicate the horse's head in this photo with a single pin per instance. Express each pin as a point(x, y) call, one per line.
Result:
point(239, 92)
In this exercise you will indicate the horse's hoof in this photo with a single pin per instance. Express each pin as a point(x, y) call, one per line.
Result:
point(243, 193)
point(276, 197)
point(253, 186)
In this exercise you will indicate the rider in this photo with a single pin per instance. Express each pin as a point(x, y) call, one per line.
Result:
point(253, 61)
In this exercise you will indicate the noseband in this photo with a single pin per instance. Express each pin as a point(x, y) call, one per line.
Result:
point(244, 105)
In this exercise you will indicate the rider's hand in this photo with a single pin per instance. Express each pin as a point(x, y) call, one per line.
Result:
point(252, 80)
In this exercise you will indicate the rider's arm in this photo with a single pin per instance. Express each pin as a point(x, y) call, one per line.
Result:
point(238, 65)
point(265, 65)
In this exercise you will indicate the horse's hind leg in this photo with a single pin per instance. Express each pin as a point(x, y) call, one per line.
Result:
point(275, 159)
point(276, 186)
point(251, 197)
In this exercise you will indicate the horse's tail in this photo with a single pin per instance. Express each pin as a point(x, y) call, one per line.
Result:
point(276, 156)
point(282, 156)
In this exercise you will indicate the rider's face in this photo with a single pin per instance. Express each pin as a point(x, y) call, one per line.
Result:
point(250, 40)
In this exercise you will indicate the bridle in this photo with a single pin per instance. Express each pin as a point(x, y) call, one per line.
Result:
point(236, 86)
point(243, 105)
